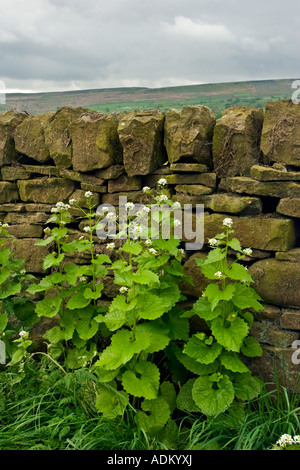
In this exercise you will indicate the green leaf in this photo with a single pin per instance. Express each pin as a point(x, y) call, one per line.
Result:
point(150, 306)
point(247, 387)
point(110, 401)
point(79, 357)
point(122, 348)
point(214, 294)
point(86, 326)
point(45, 242)
point(185, 401)
point(178, 327)
point(158, 413)
point(238, 272)
point(203, 309)
point(11, 289)
point(52, 260)
point(132, 247)
point(3, 322)
point(143, 381)
point(75, 245)
point(77, 301)
point(168, 392)
point(251, 347)
point(201, 352)
point(213, 397)
point(157, 333)
point(232, 362)
point(145, 277)
point(48, 307)
point(213, 256)
point(4, 275)
point(194, 366)
point(5, 255)
point(230, 336)
point(246, 297)
point(235, 244)
point(89, 294)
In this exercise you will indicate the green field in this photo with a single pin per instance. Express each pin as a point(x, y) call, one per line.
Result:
point(217, 96)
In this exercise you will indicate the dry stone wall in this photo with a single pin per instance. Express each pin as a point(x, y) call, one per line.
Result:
point(245, 165)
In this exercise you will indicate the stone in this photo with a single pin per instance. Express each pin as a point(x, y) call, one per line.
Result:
point(45, 170)
point(189, 168)
point(30, 137)
point(280, 138)
point(188, 134)
point(291, 255)
point(232, 204)
point(95, 142)
point(57, 135)
point(259, 232)
point(193, 189)
point(45, 190)
point(247, 185)
point(137, 197)
point(289, 206)
point(266, 333)
point(206, 179)
point(8, 192)
point(125, 183)
point(267, 173)
point(13, 173)
point(277, 282)
point(26, 249)
point(200, 282)
point(81, 200)
point(290, 319)
point(111, 173)
point(236, 141)
point(94, 188)
point(141, 136)
point(25, 230)
point(271, 313)
point(26, 218)
point(9, 120)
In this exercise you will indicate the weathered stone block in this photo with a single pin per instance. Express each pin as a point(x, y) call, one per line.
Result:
point(289, 206)
point(45, 190)
point(291, 255)
point(206, 179)
point(8, 192)
point(81, 200)
point(26, 218)
point(30, 137)
point(193, 189)
point(236, 141)
point(277, 282)
point(95, 142)
point(267, 173)
point(26, 249)
point(57, 135)
point(266, 333)
point(290, 319)
point(111, 173)
point(13, 173)
point(280, 139)
point(9, 120)
point(141, 136)
point(125, 183)
point(188, 168)
point(232, 204)
point(188, 134)
point(244, 184)
point(26, 230)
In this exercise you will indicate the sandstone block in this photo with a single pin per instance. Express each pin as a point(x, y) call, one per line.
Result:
point(9, 120)
point(45, 190)
point(30, 137)
point(244, 184)
point(8, 192)
point(289, 206)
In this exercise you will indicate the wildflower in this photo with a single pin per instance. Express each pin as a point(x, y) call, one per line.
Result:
point(72, 202)
point(162, 198)
point(88, 194)
point(213, 242)
point(146, 189)
point(146, 209)
point(218, 274)
point(176, 205)
point(285, 440)
point(177, 223)
point(123, 289)
point(5, 225)
point(129, 205)
point(110, 246)
point(111, 216)
point(82, 279)
point(247, 251)
point(47, 230)
point(153, 251)
point(87, 229)
point(227, 222)
point(181, 251)
point(23, 271)
point(81, 237)
point(148, 242)
point(137, 229)
point(162, 182)
point(23, 334)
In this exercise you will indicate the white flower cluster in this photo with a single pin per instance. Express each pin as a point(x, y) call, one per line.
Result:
point(60, 207)
point(247, 251)
point(162, 182)
point(227, 222)
point(218, 274)
point(162, 198)
point(3, 225)
point(88, 194)
point(123, 289)
point(286, 440)
point(146, 189)
point(110, 246)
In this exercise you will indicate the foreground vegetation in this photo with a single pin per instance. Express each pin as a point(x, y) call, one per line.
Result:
point(128, 373)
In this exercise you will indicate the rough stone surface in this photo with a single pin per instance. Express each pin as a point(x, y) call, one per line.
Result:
point(280, 139)
point(9, 120)
point(57, 135)
point(199, 281)
point(277, 282)
point(189, 168)
point(289, 206)
point(291, 255)
point(206, 179)
point(26, 218)
point(236, 141)
point(26, 249)
point(111, 173)
point(95, 141)
point(290, 319)
point(244, 184)
point(8, 192)
point(267, 173)
point(26, 230)
point(13, 173)
point(232, 204)
point(266, 333)
point(188, 134)
point(125, 183)
point(30, 137)
point(141, 135)
point(193, 189)
point(45, 190)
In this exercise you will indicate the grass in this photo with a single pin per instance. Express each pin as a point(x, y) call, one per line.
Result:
point(55, 412)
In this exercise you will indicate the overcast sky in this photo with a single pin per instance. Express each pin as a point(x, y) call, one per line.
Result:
point(49, 45)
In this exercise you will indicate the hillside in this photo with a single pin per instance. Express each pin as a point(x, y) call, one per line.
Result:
point(217, 96)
